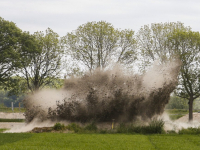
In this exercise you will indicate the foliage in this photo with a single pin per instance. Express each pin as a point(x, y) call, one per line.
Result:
point(41, 60)
point(91, 127)
point(95, 44)
point(189, 131)
point(155, 126)
point(10, 36)
point(6, 99)
point(197, 104)
point(58, 126)
point(35, 60)
point(154, 44)
point(187, 43)
point(176, 102)
point(74, 127)
point(168, 41)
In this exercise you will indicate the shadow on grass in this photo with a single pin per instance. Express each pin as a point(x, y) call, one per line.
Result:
point(12, 137)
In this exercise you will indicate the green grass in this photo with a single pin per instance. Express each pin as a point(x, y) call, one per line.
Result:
point(63, 141)
point(59, 141)
point(175, 142)
point(9, 110)
point(175, 114)
point(2, 130)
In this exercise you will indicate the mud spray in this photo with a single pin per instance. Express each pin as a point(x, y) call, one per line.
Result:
point(102, 96)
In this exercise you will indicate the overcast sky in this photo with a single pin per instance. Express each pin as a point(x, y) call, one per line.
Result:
point(66, 15)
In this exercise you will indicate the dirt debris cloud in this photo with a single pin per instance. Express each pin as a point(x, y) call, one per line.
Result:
point(105, 95)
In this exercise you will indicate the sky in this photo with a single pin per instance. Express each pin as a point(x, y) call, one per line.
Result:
point(64, 16)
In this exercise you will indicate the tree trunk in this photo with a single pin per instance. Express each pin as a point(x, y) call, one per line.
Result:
point(190, 109)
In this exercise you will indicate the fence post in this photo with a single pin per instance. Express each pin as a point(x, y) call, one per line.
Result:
point(12, 106)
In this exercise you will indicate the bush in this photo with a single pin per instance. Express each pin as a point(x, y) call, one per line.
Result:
point(190, 131)
point(91, 127)
point(103, 131)
point(74, 127)
point(155, 127)
point(58, 126)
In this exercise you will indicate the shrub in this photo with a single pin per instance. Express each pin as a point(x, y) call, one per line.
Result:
point(103, 131)
point(123, 128)
point(155, 126)
point(58, 126)
point(190, 131)
point(91, 127)
point(74, 127)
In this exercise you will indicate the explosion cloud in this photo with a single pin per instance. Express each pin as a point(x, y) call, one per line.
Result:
point(104, 95)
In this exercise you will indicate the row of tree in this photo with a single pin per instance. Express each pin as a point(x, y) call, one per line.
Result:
point(36, 60)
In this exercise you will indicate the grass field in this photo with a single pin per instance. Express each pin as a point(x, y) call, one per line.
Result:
point(9, 110)
point(59, 141)
point(176, 113)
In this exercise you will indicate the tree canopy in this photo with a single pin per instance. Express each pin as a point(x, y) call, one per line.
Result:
point(187, 44)
point(164, 42)
point(96, 44)
point(40, 59)
point(10, 36)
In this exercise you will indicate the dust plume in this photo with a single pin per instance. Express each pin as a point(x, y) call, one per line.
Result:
point(181, 123)
point(104, 95)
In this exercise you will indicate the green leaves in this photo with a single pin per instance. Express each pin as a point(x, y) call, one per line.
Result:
point(9, 45)
point(96, 44)
point(40, 59)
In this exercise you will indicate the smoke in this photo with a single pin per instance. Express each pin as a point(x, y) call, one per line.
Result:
point(104, 95)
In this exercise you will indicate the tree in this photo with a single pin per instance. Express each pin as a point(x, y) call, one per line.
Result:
point(40, 58)
point(187, 44)
point(153, 42)
point(164, 42)
point(10, 36)
point(95, 44)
